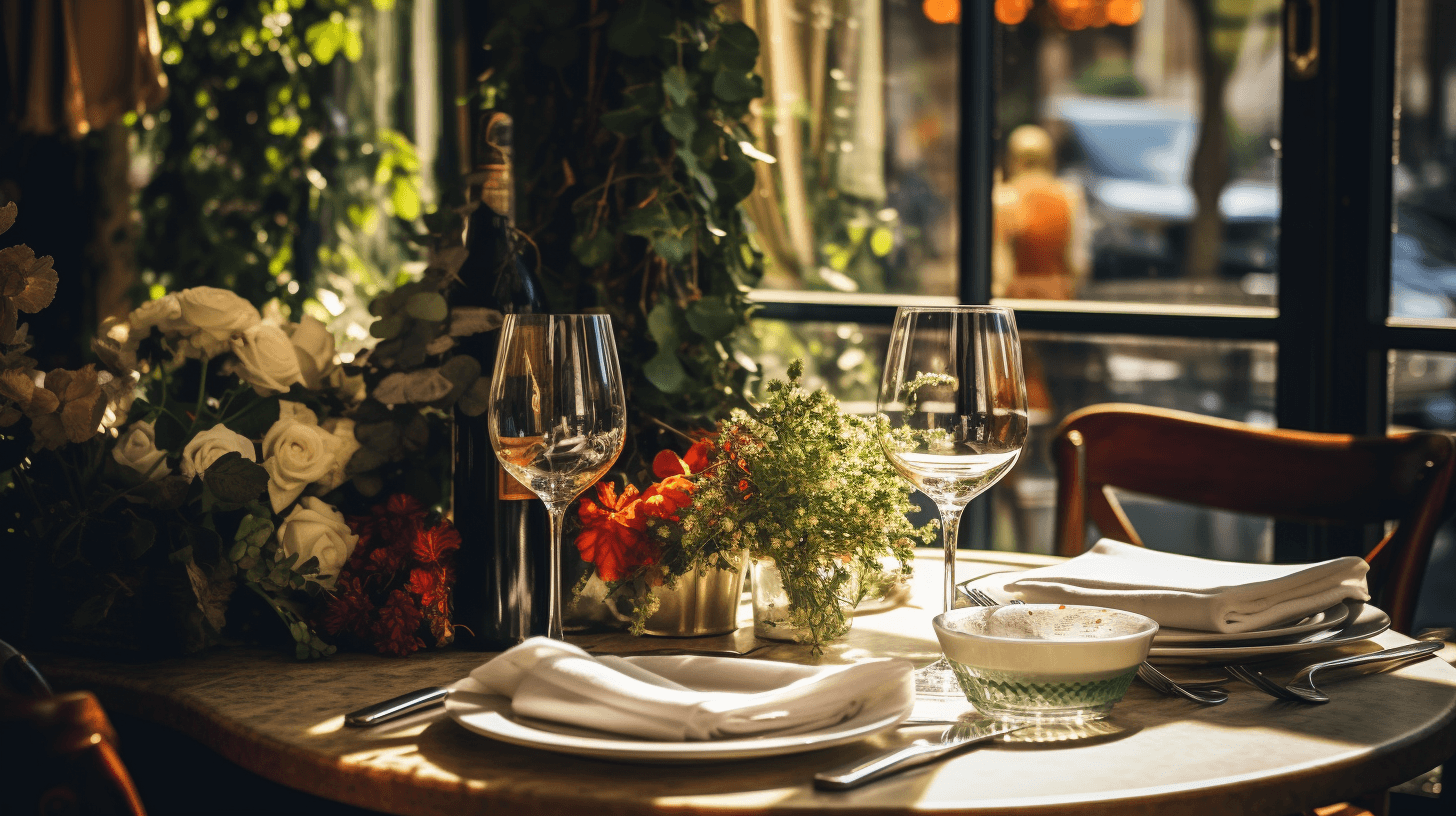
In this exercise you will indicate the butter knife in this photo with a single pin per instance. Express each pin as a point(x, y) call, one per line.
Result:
point(916, 753)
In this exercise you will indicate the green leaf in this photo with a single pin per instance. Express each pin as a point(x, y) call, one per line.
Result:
point(626, 121)
point(93, 611)
point(405, 198)
point(673, 248)
point(665, 371)
point(638, 27)
point(856, 232)
point(325, 38)
point(662, 323)
point(475, 399)
point(736, 47)
point(712, 317)
point(143, 536)
point(680, 124)
point(675, 84)
point(593, 250)
point(736, 86)
point(427, 306)
point(234, 479)
point(192, 9)
point(882, 240)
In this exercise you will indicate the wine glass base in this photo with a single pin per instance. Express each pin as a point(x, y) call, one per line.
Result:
point(937, 681)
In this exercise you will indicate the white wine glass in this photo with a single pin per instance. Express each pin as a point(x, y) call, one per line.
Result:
point(954, 396)
point(558, 417)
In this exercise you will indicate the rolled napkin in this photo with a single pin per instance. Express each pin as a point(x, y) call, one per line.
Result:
point(1191, 593)
point(686, 698)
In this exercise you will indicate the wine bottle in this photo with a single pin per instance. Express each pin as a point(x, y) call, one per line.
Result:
point(503, 526)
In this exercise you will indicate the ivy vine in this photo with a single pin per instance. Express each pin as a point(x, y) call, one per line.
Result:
point(629, 121)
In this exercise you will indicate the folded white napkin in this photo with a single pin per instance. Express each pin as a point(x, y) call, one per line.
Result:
point(1191, 593)
point(687, 697)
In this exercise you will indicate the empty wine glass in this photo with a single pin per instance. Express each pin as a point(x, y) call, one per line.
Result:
point(558, 418)
point(954, 396)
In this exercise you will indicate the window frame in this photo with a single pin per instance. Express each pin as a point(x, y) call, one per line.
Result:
point(1331, 328)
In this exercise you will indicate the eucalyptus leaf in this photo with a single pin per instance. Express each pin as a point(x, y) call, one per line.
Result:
point(732, 85)
point(673, 248)
point(737, 46)
point(387, 328)
point(429, 306)
point(626, 121)
point(254, 531)
point(467, 320)
point(476, 398)
point(93, 611)
point(424, 385)
point(663, 322)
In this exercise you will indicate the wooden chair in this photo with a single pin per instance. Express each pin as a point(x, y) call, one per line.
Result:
point(1288, 475)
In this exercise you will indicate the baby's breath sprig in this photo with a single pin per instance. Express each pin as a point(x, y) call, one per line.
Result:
point(800, 481)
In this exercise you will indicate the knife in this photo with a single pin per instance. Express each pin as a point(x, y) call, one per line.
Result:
point(917, 753)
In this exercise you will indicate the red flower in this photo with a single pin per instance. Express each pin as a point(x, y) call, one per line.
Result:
point(405, 505)
point(429, 584)
point(348, 609)
point(699, 456)
point(613, 536)
point(433, 544)
point(399, 620)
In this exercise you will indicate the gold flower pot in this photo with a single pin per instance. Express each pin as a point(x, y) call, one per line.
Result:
point(700, 604)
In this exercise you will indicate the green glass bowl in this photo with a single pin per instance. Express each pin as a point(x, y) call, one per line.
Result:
point(1044, 662)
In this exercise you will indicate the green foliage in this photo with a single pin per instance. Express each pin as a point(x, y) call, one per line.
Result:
point(627, 132)
point(800, 481)
point(258, 184)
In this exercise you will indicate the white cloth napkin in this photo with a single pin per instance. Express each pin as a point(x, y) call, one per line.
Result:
point(1191, 593)
point(686, 697)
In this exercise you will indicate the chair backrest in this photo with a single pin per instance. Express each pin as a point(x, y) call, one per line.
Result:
point(1287, 475)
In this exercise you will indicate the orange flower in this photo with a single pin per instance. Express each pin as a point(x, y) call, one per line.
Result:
point(433, 544)
point(699, 456)
point(667, 463)
point(428, 583)
point(664, 499)
point(613, 536)
point(399, 619)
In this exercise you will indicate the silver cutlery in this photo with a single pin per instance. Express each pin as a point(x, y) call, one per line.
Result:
point(421, 699)
point(1302, 689)
point(920, 752)
point(1207, 694)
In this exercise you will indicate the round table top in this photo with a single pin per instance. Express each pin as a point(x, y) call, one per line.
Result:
point(283, 719)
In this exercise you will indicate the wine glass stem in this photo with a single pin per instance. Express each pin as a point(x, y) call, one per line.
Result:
point(950, 525)
point(553, 579)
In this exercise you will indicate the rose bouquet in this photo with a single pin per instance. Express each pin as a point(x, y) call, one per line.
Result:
point(203, 462)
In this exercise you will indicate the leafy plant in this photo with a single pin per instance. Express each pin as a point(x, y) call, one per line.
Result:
point(801, 482)
point(277, 192)
point(630, 132)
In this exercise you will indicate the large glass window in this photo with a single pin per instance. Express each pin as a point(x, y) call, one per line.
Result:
point(1139, 151)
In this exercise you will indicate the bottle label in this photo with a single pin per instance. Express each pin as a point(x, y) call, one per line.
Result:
point(510, 488)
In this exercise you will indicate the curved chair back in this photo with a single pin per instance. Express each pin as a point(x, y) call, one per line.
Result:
point(1287, 475)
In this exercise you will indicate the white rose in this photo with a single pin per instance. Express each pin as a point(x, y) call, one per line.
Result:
point(316, 530)
point(296, 453)
point(164, 313)
point(314, 346)
point(345, 447)
point(267, 359)
point(211, 317)
point(209, 446)
point(137, 449)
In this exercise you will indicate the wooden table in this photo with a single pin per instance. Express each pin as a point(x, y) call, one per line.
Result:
point(283, 719)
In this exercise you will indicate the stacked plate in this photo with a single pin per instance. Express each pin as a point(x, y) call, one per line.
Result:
point(1342, 623)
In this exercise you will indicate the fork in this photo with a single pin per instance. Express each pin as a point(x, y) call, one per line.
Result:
point(1205, 693)
point(1302, 689)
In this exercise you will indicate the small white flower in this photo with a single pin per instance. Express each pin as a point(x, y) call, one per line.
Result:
point(296, 453)
point(137, 449)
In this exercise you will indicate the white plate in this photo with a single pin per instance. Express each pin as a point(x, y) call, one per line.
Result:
point(1364, 621)
point(490, 715)
point(1327, 619)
